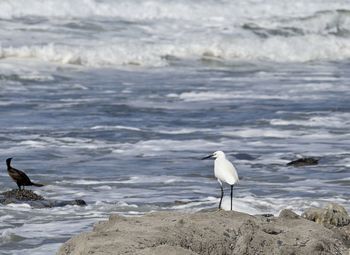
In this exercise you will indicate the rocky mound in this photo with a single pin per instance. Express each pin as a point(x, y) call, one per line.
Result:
point(216, 232)
point(22, 195)
point(333, 217)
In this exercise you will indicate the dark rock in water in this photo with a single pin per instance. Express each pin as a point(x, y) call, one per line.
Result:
point(80, 202)
point(56, 203)
point(181, 202)
point(303, 162)
point(34, 200)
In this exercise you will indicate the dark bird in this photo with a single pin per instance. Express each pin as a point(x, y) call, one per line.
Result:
point(19, 176)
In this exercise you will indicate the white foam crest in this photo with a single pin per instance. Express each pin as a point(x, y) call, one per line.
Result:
point(160, 146)
point(155, 9)
point(9, 236)
point(274, 205)
point(222, 95)
point(157, 179)
point(36, 77)
point(29, 71)
point(146, 148)
point(281, 49)
point(181, 131)
point(198, 96)
point(19, 206)
point(130, 180)
point(64, 142)
point(124, 53)
point(259, 205)
point(134, 10)
point(338, 120)
point(263, 132)
point(116, 128)
point(238, 205)
point(129, 52)
point(316, 135)
point(321, 22)
point(103, 187)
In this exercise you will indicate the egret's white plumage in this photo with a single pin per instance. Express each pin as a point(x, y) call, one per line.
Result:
point(224, 171)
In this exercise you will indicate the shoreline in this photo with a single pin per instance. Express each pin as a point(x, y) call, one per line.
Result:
point(217, 232)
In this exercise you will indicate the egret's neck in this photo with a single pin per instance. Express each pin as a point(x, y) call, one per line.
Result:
point(221, 157)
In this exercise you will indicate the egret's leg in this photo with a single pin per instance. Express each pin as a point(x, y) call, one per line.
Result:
point(231, 196)
point(222, 195)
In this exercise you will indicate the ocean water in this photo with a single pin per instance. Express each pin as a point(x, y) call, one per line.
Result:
point(116, 102)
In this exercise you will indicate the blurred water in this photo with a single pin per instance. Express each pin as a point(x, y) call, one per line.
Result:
point(115, 103)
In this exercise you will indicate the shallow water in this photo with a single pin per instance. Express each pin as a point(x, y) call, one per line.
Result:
point(115, 103)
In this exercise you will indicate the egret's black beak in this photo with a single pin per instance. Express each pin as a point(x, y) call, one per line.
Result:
point(210, 156)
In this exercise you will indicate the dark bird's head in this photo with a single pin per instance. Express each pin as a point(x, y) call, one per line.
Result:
point(8, 162)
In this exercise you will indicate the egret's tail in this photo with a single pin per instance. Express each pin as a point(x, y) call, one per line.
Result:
point(37, 184)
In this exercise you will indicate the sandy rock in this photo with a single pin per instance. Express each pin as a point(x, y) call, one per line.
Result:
point(288, 214)
point(332, 214)
point(343, 233)
point(210, 233)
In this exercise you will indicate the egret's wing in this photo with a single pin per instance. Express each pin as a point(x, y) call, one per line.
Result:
point(225, 171)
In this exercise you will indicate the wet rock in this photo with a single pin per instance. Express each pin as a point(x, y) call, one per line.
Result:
point(303, 162)
point(56, 203)
point(180, 202)
point(22, 195)
point(332, 214)
point(34, 200)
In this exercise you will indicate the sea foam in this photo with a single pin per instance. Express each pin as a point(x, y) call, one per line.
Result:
point(132, 53)
point(157, 33)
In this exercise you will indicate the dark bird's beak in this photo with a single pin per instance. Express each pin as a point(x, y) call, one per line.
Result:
point(210, 156)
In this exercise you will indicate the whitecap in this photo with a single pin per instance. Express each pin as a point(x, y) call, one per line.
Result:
point(116, 127)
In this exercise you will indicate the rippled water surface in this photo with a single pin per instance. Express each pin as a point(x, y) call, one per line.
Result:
point(116, 102)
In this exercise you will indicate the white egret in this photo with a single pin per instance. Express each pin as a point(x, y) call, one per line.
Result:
point(224, 171)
